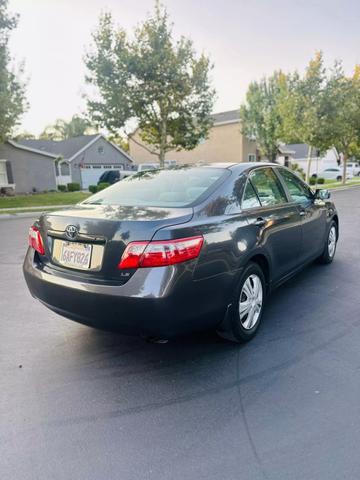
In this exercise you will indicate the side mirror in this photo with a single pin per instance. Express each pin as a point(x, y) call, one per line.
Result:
point(322, 194)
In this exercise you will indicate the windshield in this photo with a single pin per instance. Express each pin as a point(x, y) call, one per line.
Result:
point(177, 187)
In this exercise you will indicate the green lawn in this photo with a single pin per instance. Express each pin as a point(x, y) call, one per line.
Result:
point(335, 184)
point(39, 199)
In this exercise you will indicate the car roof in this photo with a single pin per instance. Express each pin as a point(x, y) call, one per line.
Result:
point(243, 166)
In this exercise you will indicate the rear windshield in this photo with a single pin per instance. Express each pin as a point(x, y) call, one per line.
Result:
point(177, 187)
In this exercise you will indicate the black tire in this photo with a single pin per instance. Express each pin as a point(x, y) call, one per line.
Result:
point(339, 178)
point(233, 328)
point(328, 255)
point(314, 175)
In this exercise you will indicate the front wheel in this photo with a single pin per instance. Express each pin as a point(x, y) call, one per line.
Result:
point(330, 244)
point(247, 306)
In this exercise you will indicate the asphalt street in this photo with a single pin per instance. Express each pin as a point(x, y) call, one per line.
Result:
point(77, 403)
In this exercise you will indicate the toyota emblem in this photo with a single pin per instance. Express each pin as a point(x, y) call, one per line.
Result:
point(71, 232)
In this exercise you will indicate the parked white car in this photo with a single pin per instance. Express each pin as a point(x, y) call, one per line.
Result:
point(354, 168)
point(335, 173)
point(144, 167)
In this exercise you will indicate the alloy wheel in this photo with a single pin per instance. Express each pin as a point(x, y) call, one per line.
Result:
point(250, 302)
point(332, 241)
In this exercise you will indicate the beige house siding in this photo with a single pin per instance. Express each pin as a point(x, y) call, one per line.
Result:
point(225, 143)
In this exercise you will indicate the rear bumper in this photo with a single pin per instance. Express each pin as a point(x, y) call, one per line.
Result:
point(163, 301)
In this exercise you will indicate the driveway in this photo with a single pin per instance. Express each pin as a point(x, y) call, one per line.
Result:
point(76, 403)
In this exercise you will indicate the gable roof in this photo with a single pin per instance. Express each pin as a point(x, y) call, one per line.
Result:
point(32, 150)
point(66, 148)
point(300, 150)
point(69, 148)
point(230, 116)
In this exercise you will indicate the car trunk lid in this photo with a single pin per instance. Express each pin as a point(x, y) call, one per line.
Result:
point(106, 230)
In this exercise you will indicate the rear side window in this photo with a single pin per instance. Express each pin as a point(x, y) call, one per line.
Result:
point(177, 187)
point(268, 187)
point(250, 199)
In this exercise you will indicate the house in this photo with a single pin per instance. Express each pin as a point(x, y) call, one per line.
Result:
point(298, 153)
point(82, 159)
point(225, 143)
point(26, 169)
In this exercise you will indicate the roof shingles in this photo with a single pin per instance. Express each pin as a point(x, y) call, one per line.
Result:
point(65, 148)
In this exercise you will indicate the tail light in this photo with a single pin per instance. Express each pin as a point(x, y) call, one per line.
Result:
point(160, 253)
point(35, 240)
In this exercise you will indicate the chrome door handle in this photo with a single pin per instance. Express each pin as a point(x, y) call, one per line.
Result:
point(302, 213)
point(260, 222)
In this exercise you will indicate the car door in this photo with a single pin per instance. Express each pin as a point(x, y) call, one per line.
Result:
point(313, 213)
point(276, 222)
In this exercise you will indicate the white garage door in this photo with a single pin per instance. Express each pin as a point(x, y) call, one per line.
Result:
point(90, 174)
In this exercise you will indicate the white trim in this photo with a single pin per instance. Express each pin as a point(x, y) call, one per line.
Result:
point(120, 150)
point(92, 143)
point(33, 150)
point(227, 122)
point(84, 148)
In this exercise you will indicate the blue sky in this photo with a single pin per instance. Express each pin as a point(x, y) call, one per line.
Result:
point(246, 39)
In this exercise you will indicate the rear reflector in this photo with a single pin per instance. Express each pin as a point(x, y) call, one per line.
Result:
point(160, 253)
point(35, 240)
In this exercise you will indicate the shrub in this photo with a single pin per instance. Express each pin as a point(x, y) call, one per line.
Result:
point(102, 185)
point(321, 181)
point(93, 188)
point(62, 188)
point(312, 181)
point(73, 187)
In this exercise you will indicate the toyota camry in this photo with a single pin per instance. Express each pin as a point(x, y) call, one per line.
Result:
point(168, 252)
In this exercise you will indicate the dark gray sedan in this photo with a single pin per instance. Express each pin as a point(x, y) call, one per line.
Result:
point(167, 252)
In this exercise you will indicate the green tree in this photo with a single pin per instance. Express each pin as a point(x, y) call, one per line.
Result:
point(343, 104)
point(303, 108)
point(260, 116)
point(158, 83)
point(62, 130)
point(12, 89)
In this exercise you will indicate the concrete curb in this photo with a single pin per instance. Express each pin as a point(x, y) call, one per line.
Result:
point(34, 207)
point(7, 216)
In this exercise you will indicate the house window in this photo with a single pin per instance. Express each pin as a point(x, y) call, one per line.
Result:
point(251, 157)
point(64, 168)
point(101, 150)
point(3, 173)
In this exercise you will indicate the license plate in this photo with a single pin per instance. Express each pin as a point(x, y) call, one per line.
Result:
point(76, 255)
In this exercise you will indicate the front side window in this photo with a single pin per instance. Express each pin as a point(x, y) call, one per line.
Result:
point(268, 187)
point(299, 192)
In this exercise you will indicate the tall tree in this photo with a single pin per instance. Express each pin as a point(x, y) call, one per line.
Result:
point(343, 104)
point(303, 109)
point(153, 80)
point(260, 116)
point(12, 89)
point(62, 130)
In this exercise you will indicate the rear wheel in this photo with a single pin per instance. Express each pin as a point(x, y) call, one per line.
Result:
point(339, 178)
point(247, 306)
point(330, 244)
